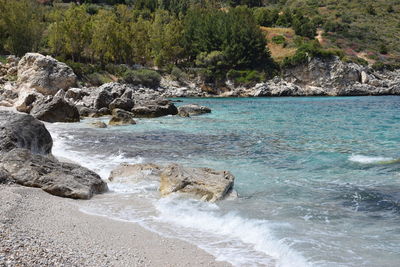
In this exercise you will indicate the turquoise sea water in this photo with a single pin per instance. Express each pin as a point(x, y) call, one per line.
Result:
point(317, 178)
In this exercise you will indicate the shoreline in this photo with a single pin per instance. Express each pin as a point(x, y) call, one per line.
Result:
point(33, 232)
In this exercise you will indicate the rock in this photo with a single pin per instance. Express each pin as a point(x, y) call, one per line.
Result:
point(154, 108)
point(44, 74)
point(13, 71)
point(364, 77)
point(57, 178)
point(102, 112)
point(102, 96)
point(207, 184)
point(12, 60)
point(26, 101)
point(75, 94)
point(135, 173)
point(5, 177)
point(85, 112)
point(23, 131)
point(99, 124)
point(55, 109)
point(192, 109)
point(6, 103)
point(122, 103)
point(121, 117)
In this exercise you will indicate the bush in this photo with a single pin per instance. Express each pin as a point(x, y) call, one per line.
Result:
point(82, 70)
point(279, 39)
point(178, 74)
point(245, 77)
point(148, 78)
point(308, 50)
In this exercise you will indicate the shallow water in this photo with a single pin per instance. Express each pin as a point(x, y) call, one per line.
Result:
point(318, 180)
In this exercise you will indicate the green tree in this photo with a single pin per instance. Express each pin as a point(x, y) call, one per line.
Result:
point(165, 36)
point(71, 28)
point(21, 26)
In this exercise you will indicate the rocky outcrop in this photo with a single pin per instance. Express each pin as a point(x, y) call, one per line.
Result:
point(25, 158)
point(154, 108)
point(23, 131)
point(121, 117)
point(204, 183)
point(55, 109)
point(57, 178)
point(44, 74)
point(192, 109)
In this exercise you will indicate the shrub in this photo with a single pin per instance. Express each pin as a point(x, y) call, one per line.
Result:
point(148, 78)
point(245, 77)
point(81, 69)
point(371, 10)
point(178, 74)
point(279, 39)
point(308, 50)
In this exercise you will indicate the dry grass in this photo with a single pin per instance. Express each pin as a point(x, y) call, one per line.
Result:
point(278, 51)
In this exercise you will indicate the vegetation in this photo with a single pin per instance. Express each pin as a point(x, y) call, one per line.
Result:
point(215, 39)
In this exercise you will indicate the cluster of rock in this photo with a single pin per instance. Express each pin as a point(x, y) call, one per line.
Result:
point(204, 183)
point(325, 77)
point(46, 89)
point(26, 159)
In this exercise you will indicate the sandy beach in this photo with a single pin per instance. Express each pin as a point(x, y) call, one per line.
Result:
point(38, 229)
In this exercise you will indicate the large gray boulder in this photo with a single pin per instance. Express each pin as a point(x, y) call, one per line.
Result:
point(204, 183)
point(122, 103)
point(154, 108)
point(44, 74)
point(192, 109)
point(55, 109)
point(45, 172)
point(23, 131)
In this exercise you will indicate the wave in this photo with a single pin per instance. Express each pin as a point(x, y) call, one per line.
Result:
point(227, 236)
point(244, 241)
point(370, 160)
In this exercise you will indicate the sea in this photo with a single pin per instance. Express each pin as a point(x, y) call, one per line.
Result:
point(318, 178)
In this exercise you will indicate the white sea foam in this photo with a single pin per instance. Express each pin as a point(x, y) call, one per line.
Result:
point(367, 159)
point(228, 236)
point(101, 164)
point(251, 242)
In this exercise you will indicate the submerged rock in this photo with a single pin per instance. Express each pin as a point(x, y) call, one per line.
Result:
point(44, 74)
point(192, 109)
point(57, 178)
point(204, 183)
point(55, 109)
point(23, 131)
point(99, 124)
point(121, 117)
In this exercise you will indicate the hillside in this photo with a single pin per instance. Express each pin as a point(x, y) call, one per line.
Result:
point(368, 29)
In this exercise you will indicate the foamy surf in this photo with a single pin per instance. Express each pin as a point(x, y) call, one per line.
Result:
point(227, 236)
point(369, 160)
